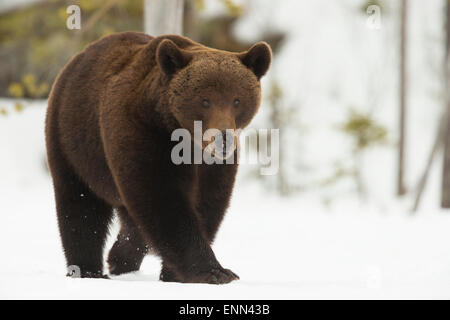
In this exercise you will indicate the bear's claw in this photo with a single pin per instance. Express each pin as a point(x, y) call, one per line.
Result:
point(220, 276)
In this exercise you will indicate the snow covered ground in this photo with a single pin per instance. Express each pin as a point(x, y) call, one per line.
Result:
point(282, 248)
point(291, 248)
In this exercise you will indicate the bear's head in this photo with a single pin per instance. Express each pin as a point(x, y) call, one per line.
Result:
point(219, 88)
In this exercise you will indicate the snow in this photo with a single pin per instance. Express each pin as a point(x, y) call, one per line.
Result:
point(298, 247)
point(290, 248)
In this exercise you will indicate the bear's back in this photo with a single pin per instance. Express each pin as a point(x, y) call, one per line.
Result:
point(73, 112)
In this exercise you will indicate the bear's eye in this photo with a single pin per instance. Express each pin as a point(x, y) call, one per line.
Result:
point(206, 103)
point(236, 102)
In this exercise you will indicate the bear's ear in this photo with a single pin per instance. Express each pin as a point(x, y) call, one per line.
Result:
point(257, 58)
point(170, 57)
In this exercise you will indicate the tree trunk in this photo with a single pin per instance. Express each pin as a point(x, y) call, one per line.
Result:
point(163, 17)
point(445, 191)
point(434, 151)
point(443, 134)
point(401, 190)
point(277, 122)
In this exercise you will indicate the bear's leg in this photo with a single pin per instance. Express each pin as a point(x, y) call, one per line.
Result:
point(83, 221)
point(213, 202)
point(158, 196)
point(168, 275)
point(129, 250)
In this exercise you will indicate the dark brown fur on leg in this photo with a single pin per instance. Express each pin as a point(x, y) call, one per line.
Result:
point(83, 221)
point(212, 204)
point(129, 250)
point(213, 201)
point(167, 275)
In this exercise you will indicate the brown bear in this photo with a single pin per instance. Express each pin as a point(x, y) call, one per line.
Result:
point(111, 113)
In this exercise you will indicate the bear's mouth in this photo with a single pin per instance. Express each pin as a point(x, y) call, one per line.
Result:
point(224, 151)
point(223, 146)
point(221, 153)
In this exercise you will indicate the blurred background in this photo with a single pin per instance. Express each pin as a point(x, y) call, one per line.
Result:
point(359, 91)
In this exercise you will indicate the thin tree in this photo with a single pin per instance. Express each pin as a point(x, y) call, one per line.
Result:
point(163, 17)
point(445, 190)
point(401, 189)
point(434, 151)
point(443, 133)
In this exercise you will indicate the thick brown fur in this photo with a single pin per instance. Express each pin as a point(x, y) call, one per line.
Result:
point(111, 113)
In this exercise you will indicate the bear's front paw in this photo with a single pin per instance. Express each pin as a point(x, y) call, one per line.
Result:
point(167, 275)
point(117, 268)
point(216, 276)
